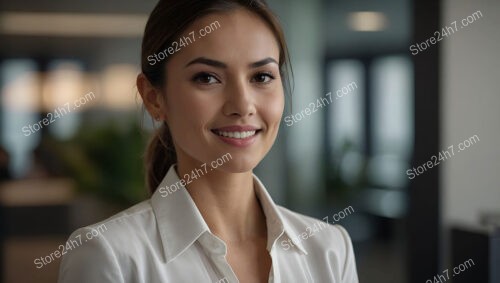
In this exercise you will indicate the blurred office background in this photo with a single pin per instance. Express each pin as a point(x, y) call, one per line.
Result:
point(86, 165)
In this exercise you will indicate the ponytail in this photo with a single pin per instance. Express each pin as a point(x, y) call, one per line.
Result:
point(160, 155)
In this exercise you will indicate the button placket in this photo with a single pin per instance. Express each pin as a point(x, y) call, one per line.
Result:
point(217, 251)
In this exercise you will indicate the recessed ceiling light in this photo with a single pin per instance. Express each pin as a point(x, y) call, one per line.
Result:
point(72, 24)
point(367, 21)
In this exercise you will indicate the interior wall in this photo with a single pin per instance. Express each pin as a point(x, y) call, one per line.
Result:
point(471, 106)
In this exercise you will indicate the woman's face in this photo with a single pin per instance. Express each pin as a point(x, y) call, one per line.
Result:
point(224, 92)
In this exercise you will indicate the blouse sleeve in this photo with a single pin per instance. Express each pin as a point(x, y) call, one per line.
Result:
point(349, 274)
point(92, 261)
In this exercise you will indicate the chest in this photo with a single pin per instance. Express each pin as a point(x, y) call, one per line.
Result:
point(250, 261)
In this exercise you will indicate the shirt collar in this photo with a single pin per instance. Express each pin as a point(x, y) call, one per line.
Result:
point(277, 225)
point(180, 223)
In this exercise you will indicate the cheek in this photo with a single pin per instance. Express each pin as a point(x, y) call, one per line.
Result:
point(189, 110)
point(187, 119)
point(273, 107)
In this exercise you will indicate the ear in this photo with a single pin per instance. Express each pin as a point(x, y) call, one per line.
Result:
point(151, 97)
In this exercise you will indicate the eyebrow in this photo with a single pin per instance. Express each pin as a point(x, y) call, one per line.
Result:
point(219, 64)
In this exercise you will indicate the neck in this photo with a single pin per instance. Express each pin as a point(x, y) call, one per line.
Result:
point(227, 202)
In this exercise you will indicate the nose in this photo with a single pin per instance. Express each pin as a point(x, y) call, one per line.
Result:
point(239, 100)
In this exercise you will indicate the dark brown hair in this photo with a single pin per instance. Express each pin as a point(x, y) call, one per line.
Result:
point(167, 22)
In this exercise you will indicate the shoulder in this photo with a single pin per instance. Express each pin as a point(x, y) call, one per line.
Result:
point(324, 243)
point(99, 250)
point(129, 220)
point(124, 226)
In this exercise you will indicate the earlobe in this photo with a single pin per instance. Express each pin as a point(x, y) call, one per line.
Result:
point(151, 97)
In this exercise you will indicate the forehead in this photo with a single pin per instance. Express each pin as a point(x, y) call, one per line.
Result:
point(236, 35)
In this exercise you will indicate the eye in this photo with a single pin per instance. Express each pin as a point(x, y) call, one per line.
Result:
point(263, 77)
point(205, 78)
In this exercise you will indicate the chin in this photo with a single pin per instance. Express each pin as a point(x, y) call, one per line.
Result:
point(239, 166)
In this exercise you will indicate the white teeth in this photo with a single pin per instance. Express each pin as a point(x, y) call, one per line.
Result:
point(236, 135)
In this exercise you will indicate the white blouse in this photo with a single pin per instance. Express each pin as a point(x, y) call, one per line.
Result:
point(165, 239)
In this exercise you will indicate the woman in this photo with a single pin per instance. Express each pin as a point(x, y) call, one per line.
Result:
point(219, 97)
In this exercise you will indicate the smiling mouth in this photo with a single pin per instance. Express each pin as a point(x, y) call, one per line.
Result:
point(236, 134)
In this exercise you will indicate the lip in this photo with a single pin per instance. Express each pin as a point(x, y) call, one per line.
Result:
point(237, 128)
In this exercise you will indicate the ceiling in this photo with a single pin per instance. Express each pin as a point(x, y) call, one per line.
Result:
point(339, 38)
point(342, 40)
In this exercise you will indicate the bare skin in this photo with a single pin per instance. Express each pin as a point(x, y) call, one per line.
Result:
point(236, 217)
point(241, 93)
